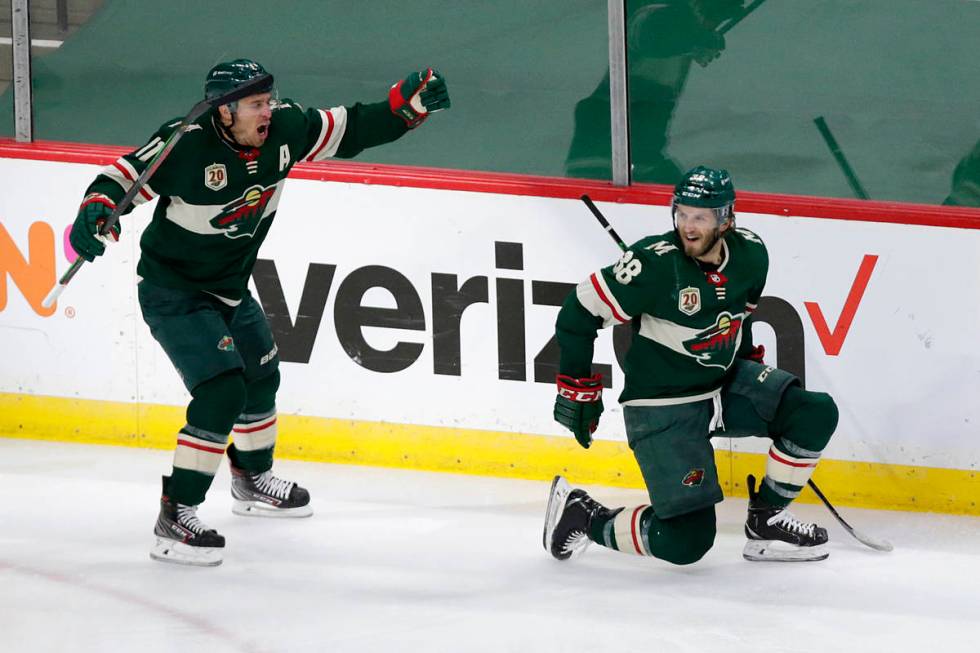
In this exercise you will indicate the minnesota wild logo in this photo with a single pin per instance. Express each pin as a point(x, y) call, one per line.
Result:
point(693, 478)
point(242, 216)
point(716, 345)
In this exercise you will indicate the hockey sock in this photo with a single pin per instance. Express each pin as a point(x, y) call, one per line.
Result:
point(255, 428)
point(681, 540)
point(201, 442)
point(804, 423)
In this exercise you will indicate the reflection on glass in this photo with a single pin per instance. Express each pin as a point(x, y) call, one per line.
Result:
point(663, 39)
point(966, 181)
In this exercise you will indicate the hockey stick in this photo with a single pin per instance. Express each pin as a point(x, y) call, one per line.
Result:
point(845, 167)
point(605, 223)
point(732, 22)
point(198, 110)
point(876, 544)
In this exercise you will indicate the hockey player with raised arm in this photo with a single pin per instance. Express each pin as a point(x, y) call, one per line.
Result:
point(691, 373)
point(219, 189)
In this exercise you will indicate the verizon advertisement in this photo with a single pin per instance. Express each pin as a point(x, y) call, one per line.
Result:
point(437, 307)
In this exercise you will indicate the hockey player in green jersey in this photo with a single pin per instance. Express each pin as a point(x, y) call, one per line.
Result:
point(219, 189)
point(691, 373)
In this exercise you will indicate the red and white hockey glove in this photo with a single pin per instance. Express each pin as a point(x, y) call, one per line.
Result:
point(579, 405)
point(418, 95)
point(86, 233)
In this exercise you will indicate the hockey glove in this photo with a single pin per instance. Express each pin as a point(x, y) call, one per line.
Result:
point(757, 354)
point(579, 405)
point(418, 95)
point(85, 237)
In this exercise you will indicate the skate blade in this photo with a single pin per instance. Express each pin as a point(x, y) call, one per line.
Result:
point(166, 550)
point(776, 551)
point(556, 505)
point(259, 509)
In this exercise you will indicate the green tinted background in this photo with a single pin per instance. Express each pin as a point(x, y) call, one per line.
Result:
point(895, 80)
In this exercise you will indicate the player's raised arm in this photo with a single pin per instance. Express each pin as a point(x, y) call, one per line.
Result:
point(346, 131)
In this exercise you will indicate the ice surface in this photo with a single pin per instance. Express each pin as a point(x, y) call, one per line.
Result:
point(397, 560)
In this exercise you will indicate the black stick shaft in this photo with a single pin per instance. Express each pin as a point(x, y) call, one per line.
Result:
point(605, 223)
point(199, 109)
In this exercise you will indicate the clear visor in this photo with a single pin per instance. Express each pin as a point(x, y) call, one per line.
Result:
point(701, 217)
point(255, 105)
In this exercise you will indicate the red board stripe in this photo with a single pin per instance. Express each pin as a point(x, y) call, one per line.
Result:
point(539, 186)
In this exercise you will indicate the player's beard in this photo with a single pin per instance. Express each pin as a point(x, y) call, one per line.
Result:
point(702, 247)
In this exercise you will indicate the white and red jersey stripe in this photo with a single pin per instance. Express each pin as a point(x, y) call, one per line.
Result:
point(594, 295)
point(332, 128)
point(124, 173)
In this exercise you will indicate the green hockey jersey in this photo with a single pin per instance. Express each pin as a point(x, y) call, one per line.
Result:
point(689, 322)
point(218, 199)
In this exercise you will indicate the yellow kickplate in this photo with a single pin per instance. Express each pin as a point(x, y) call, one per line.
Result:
point(488, 453)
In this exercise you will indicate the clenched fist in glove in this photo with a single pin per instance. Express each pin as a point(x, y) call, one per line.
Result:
point(579, 405)
point(86, 237)
point(418, 95)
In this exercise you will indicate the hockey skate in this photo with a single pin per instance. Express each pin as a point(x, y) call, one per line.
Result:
point(182, 538)
point(265, 495)
point(567, 520)
point(775, 534)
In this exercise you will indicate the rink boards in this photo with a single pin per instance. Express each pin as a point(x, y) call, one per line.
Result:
point(413, 311)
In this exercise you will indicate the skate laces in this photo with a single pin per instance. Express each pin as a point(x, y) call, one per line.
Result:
point(187, 517)
point(788, 520)
point(272, 485)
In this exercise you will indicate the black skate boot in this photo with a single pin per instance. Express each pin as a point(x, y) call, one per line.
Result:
point(182, 538)
point(567, 519)
point(265, 495)
point(776, 534)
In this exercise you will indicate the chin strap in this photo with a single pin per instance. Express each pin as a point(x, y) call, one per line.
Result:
point(224, 131)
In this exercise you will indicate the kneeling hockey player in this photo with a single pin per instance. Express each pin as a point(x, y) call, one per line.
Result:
point(691, 373)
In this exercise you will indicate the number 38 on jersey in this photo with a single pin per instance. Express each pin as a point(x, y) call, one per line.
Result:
point(627, 268)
